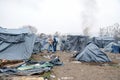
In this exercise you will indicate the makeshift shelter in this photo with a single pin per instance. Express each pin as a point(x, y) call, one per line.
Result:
point(59, 43)
point(76, 43)
point(116, 49)
point(92, 54)
point(101, 42)
point(44, 44)
point(108, 48)
point(16, 44)
point(112, 47)
point(37, 45)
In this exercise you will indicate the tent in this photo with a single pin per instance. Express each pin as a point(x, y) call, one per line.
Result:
point(108, 48)
point(44, 42)
point(92, 54)
point(37, 45)
point(76, 43)
point(112, 47)
point(101, 42)
point(16, 44)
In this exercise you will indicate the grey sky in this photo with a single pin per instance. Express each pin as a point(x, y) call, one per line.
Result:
point(65, 16)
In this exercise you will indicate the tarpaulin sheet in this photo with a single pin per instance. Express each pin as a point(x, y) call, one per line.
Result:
point(92, 54)
point(16, 44)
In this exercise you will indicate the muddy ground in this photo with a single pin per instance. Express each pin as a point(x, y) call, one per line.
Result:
point(75, 70)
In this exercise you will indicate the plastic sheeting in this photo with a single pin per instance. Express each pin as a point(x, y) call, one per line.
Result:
point(31, 67)
point(37, 45)
point(16, 44)
point(92, 54)
point(101, 42)
point(76, 43)
point(112, 47)
point(108, 48)
point(15, 31)
point(115, 49)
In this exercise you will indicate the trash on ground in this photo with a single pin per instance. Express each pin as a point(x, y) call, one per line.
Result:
point(31, 67)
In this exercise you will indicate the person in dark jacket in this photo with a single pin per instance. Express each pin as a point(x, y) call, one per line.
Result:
point(55, 42)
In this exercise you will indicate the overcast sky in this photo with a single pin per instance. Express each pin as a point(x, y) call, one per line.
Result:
point(65, 16)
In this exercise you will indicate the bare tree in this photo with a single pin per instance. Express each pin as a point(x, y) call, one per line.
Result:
point(111, 31)
point(116, 31)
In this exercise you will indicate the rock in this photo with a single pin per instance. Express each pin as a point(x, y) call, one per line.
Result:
point(52, 76)
point(46, 79)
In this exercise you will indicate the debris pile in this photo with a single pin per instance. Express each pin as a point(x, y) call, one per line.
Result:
point(31, 67)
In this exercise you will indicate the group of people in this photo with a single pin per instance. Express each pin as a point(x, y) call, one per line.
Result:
point(52, 44)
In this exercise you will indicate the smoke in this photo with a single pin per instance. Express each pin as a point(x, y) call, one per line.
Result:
point(88, 15)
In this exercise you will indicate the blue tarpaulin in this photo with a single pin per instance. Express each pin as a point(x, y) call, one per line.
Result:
point(76, 42)
point(16, 44)
point(116, 49)
point(92, 54)
point(101, 42)
point(112, 47)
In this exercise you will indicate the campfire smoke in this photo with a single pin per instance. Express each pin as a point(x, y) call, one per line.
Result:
point(88, 15)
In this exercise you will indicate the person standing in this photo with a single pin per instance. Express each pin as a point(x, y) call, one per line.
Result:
point(55, 42)
point(50, 44)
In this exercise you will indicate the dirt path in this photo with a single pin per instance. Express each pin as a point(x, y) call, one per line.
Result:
point(72, 70)
point(75, 70)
